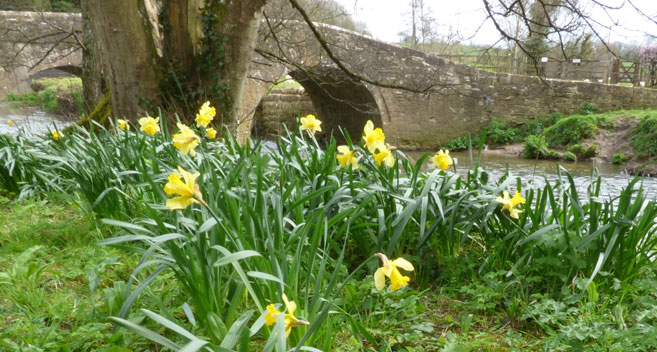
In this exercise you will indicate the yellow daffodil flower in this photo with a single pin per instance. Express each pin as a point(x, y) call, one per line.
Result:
point(290, 320)
point(311, 124)
point(205, 115)
point(10, 122)
point(347, 156)
point(123, 125)
point(186, 141)
point(384, 155)
point(149, 125)
point(374, 138)
point(517, 199)
point(56, 135)
point(442, 160)
point(211, 133)
point(391, 269)
point(509, 203)
point(188, 191)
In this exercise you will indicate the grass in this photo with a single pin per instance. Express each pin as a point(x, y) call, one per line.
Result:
point(295, 222)
point(57, 286)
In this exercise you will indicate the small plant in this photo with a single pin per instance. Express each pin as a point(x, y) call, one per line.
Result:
point(588, 109)
point(575, 128)
point(499, 133)
point(619, 158)
point(569, 156)
point(553, 155)
point(534, 147)
point(591, 151)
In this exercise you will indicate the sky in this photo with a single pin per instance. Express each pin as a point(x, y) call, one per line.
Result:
point(385, 19)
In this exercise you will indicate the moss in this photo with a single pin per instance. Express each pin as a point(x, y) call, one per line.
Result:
point(100, 113)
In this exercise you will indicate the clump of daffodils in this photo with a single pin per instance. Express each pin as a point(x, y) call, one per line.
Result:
point(510, 204)
point(390, 268)
point(311, 124)
point(188, 191)
point(205, 115)
point(374, 141)
point(150, 125)
point(442, 160)
point(290, 320)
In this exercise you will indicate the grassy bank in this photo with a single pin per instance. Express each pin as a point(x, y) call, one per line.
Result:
point(212, 262)
point(61, 96)
point(581, 136)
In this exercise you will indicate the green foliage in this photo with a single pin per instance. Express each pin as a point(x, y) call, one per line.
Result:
point(535, 147)
point(49, 95)
point(569, 156)
point(575, 128)
point(499, 133)
point(588, 109)
point(644, 136)
point(619, 158)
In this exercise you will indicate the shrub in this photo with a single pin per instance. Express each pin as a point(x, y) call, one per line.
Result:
point(591, 151)
point(584, 152)
point(619, 158)
point(499, 133)
point(461, 143)
point(575, 128)
point(553, 155)
point(534, 146)
point(569, 156)
point(644, 136)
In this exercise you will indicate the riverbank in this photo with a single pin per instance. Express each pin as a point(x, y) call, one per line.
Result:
point(60, 95)
point(626, 138)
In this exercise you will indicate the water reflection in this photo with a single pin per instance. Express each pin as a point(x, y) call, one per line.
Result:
point(533, 173)
point(28, 120)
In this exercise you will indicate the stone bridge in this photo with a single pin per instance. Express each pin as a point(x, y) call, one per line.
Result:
point(418, 99)
point(34, 42)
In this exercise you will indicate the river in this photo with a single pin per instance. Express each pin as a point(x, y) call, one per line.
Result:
point(28, 120)
point(533, 173)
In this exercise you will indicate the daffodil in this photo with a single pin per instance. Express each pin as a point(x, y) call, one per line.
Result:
point(186, 140)
point(384, 155)
point(311, 124)
point(10, 122)
point(211, 133)
point(510, 204)
point(56, 135)
point(290, 320)
point(205, 115)
point(442, 160)
point(390, 268)
point(347, 156)
point(188, 191)
point(150, 125)
point(517, 199)
point(374, 138)
point(123, 125)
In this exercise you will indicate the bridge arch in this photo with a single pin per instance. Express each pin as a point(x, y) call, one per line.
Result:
point(340, 101)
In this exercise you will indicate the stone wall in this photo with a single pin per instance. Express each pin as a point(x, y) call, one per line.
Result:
point(281, 107)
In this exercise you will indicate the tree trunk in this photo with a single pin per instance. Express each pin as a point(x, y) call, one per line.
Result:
point(148, 69)
point(92, 76)
point(125, 39)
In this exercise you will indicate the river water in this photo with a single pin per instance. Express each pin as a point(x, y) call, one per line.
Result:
point(28, 120)
point(533, 173)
